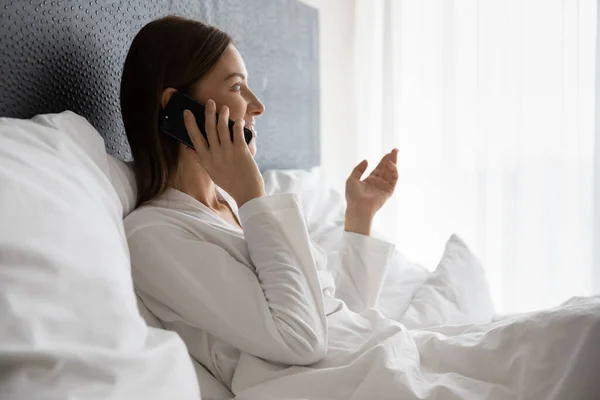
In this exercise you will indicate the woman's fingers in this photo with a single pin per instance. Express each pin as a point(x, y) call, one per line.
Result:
point(194, 133)
point(389, 173)
point(382, 162)
point(238, 133)
point(391, 157)
point(392, 169)
point(210, 114)
point(359, 170)
point(223, 127)
point(394, 156)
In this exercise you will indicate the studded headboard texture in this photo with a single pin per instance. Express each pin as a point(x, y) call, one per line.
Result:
point(68, 55)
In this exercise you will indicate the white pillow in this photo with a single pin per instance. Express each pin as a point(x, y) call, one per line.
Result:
point(456, 293)
point(323, 207)
point(402, 281)
point(70, 323)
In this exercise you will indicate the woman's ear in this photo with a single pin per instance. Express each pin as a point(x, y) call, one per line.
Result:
point(166, 96)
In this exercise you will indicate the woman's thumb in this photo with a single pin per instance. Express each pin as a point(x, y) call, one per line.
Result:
point(359, 170)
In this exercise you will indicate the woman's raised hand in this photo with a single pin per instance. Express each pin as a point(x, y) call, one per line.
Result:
point(364, 198)
point(229, 163)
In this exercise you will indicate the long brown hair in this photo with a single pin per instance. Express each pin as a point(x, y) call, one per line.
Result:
point(169, 52)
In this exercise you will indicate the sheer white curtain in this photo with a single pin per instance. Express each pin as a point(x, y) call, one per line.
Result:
point(491, 104)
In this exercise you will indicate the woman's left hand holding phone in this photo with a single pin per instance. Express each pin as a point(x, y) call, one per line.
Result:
point(229, 163)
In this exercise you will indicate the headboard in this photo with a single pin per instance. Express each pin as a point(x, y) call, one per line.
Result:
point(59, 55)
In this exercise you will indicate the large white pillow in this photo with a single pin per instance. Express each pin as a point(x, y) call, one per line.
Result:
point(70, 323)
point(456, 293)
point(323, 207)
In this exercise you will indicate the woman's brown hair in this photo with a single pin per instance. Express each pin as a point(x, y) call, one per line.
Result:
point(169, 52)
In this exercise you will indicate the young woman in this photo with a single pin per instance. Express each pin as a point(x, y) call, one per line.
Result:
point(233, 271)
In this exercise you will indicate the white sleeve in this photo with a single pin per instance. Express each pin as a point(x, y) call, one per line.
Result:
point(359, 266)
point(274, 312)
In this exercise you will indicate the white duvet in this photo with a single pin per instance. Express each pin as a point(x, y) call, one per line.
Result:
point(547, 355)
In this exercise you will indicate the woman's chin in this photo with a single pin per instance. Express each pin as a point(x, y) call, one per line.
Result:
point(252, 147)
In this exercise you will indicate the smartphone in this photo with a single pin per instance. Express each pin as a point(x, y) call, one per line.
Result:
point(171, 121)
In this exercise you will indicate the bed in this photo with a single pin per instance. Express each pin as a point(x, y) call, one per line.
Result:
point(73, 325)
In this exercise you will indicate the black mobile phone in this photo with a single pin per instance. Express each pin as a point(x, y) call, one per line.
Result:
point(171, 121)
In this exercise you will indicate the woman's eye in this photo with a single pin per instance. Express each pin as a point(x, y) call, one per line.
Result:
point(237, 87)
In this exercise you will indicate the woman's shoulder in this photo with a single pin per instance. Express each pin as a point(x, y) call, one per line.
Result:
point(178, 216)
point(149, 218)
point(157, 215)
point(169, 215)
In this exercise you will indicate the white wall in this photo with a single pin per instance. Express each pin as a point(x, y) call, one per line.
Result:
point(338, 103)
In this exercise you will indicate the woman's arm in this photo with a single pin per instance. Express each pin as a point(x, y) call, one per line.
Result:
point(274, 312)
point(359, 265)
point(358, 221)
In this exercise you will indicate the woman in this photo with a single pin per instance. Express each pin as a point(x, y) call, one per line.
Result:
point(233, 271)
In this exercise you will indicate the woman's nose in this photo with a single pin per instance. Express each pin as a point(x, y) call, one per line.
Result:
point(255, 107)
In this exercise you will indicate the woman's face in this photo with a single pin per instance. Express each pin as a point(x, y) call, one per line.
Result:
point(227, 85)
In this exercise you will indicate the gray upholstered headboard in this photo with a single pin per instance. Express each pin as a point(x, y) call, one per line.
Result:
point(59, 55)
